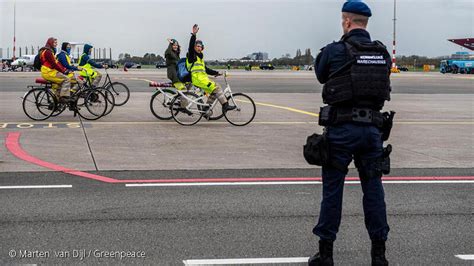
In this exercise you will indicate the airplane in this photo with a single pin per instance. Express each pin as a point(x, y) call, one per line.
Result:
point(24, 60)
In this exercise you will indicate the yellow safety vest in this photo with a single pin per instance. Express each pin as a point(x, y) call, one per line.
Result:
point(86, 65)
point(196, 67)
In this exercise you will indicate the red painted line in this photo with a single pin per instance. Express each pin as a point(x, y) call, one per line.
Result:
point(13, 145)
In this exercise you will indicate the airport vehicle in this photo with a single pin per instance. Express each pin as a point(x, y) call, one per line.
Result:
point(132, 65)
point(160, 65)
point(266, 67)
point(196, 107)
point(457, 66)
point(403, 68)
point(40, 103)
point(160, 102)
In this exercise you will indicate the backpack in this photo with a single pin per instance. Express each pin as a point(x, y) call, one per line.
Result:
point(37, 62)
point(183, 73)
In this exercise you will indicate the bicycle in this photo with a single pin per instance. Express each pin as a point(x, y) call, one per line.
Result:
point(40, 103)
point(195, 107)
point(119, 90)
point(160, 103)
point(109, 95)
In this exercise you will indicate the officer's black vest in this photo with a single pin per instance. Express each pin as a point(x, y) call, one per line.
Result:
point(362, 82)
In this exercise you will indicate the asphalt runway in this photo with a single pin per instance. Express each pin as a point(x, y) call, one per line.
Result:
point(173, 195)
point(272, 81)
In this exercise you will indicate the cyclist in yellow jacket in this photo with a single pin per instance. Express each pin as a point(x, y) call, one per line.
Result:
point(88, 66)
point(199, 72)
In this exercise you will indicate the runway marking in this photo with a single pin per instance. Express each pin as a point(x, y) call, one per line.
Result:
point(291, 183)
point(465, 257)
point(13, 145)
point(36, 186)
point(53, 125)
point(246, 261)
point(263, 104)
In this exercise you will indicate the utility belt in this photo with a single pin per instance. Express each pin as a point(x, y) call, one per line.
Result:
point(317, 150)
point(331, 115)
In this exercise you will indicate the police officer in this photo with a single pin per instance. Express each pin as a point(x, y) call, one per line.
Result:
point(356, 75)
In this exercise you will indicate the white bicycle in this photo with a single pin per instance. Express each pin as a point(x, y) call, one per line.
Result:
point(160, 101)
point(193, 108)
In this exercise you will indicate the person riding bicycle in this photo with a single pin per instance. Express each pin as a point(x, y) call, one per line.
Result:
point(65, 60)
point(53, 71)
point(199, 72)
point(172, 58)
point(88, 64)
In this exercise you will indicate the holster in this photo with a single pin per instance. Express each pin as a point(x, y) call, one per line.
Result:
point(387, 124)
point(384, 163)
point(316, 150)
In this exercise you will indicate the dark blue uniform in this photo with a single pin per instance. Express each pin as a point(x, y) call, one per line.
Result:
point(348, 141)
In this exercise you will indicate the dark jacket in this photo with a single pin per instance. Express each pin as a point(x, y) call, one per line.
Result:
point(62, 58)
point(86, 58)
point(192, 55)
point(172, 58)
point(334, 55)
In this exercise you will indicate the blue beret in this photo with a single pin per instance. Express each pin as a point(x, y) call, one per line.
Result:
point(357, 7)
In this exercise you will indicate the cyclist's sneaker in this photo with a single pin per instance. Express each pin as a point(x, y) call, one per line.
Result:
point(207, 115)
point(186, 111)
point(226, 107)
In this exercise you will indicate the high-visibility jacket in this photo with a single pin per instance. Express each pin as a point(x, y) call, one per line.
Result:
point(87, 70)
point(199, 76)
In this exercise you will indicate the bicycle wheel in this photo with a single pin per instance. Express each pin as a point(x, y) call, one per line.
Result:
point(160, 104)
point(91, 104)
point(39, 104)
point(110, 100)
point(217, 112)
point(191, 113)
point(120, 92)
point(245, 111)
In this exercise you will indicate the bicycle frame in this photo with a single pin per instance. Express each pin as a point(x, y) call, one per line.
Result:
point(227, 92)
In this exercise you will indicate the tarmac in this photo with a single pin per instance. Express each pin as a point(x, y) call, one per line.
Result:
point(215, 191)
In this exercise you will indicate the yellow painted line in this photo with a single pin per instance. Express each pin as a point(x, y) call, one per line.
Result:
point(264, 104)
point(147, 80)
point(284, 108)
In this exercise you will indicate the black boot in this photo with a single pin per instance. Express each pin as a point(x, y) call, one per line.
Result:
point(378, 253)
point(324, 256)
point(226, 107)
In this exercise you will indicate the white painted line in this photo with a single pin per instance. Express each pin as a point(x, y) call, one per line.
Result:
point(246, 261)
point(429, 182)
point(222, 184)
point(197, 184)
point(465, 257)
point(38, 186)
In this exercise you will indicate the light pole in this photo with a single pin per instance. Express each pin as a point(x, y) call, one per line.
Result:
point(14, 30)
point(394, 65)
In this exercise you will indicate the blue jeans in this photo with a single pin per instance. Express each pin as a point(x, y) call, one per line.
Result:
point(362, 143)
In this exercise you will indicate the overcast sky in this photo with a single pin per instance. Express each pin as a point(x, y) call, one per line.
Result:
point(233, 28)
